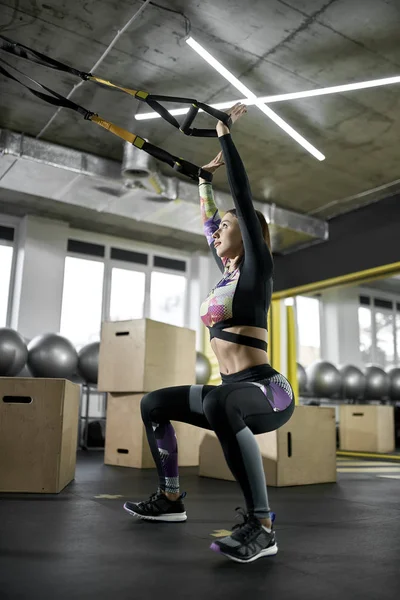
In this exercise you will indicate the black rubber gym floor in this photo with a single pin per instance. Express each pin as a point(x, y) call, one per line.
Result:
point(335, 541)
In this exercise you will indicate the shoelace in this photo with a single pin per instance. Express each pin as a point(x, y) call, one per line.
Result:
point(247, 527)
point(147, 503)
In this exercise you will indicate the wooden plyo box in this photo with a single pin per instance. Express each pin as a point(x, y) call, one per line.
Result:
point(38, 434)
point(144, 355)
point(301, 452)
point(126, 441)
point(367, 428)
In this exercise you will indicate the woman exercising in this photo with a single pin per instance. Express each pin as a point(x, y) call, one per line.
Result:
point(253, 398)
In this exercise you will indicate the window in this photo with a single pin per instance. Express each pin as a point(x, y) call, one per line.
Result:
point(398, 337)
point(380, 330)
point(6, 257)
point(384, 322)
point(127, 294)
point(103, 281)
point(82, 300)
point(167, 298)
point(365, 326)
point(308, 329)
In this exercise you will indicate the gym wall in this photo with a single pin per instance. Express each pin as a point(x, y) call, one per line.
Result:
point(359, 240)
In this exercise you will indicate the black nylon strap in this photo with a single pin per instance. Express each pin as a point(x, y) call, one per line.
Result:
point(153, 100)
point(163, 112)
point(56, 99)
point(178, 164)
point(186, 168)
point(37, 57)
point(216, 113)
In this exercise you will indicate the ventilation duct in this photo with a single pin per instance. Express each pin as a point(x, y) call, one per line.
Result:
point(133, 189)
point(136, 164)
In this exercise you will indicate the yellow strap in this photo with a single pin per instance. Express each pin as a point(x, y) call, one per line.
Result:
point(122, 133)
point(136, 93)
point(142, 95)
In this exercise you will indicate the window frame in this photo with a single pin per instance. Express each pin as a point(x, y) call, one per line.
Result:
point(14, 223)
point(110, 242)
point(385, 311)
point(382, 295)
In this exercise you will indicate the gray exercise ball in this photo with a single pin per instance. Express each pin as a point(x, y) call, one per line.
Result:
point(377, 383)
point(394, 383)
point(203, 369)
point(52, 355)
point(13, 352)
point(353, 382)
point(323, 379)
point(301, 378)
point(25, 372)
point(88, 362)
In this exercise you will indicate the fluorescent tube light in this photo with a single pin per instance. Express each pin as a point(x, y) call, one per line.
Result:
point(347, 87)
point(335, 89)
point(251, 96)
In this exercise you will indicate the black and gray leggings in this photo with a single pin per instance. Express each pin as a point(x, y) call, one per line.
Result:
point(246, 404)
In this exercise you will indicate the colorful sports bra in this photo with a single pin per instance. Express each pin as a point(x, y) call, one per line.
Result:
point(241, 297)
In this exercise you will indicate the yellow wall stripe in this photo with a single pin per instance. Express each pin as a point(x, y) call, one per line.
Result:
point(351, 278)
point(275, 328)
point(395, 457)
point(291, 352)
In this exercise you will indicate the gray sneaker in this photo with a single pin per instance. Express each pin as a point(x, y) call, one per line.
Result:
point(248, 541)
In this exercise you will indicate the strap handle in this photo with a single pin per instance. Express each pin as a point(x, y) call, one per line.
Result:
point(153, 101)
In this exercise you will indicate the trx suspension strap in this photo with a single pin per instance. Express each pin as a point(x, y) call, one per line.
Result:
point(152, 100)
point(182, 166)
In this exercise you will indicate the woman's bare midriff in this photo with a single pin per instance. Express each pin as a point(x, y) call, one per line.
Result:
point(233, 358)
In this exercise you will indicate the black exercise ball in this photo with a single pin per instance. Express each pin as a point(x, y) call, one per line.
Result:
point(203, 369)
point(323, 379)
point(13, 352)
point(88, 362)
point(353, 382)
point(377, 383)
point(394, 383)
point(301, 378)
point(52, 355)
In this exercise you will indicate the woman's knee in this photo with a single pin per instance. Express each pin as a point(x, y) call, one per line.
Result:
point(149, 403)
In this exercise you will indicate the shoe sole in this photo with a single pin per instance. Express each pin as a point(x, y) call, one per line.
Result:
point(169, 518)
point(271, 551)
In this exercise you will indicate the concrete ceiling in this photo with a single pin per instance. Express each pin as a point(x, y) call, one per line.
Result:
point(273, 47)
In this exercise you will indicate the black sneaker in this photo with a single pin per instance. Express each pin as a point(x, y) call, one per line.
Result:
point(158, 508)
point(248, 542)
